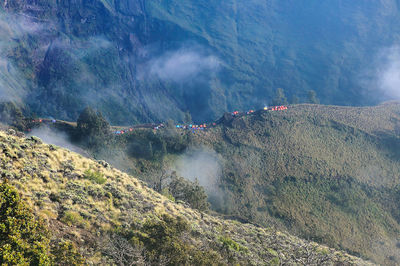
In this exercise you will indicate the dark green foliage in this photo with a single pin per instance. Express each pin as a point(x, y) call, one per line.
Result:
point(165, 242)
point(312, 97)
point(23, 239)
point(145, 144)
point(93, 128)
point(295, 100)
point(279, 98)
point(187, 119)
point(148, 145)
point(91, 123)
point(12, 115)
point(65, 254)
point(189, 192)
point(163, 239)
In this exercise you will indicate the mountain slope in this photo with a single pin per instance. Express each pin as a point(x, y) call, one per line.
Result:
point(141, 60)
point(326, 172)
point(86, 206)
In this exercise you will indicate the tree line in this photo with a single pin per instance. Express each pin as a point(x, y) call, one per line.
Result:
point(281, 99)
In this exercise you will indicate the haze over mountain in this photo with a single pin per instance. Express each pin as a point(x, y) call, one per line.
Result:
point(154, 60)
point(323, 172)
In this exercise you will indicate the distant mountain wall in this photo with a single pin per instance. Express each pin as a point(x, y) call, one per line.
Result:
point(153, 60)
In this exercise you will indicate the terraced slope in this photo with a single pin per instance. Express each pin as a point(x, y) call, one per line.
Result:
point(84, 200)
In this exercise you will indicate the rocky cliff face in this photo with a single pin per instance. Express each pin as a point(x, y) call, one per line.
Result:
point(152, 60)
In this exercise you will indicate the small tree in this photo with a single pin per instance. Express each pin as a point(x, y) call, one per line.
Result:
point(312, 97)
point(295, 100)
point(12, 115)
point(122, 251)
point(93, 127)
point(160, 180)
point(189, 192)
point(187, 118)
point(280, 98)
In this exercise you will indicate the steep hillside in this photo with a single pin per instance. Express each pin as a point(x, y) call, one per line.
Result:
point(329, 173)
point(326, 172)
point(153, 60)
point(114, 218)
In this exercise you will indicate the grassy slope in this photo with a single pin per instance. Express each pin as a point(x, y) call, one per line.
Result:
point(326, 172)
point(52, 181)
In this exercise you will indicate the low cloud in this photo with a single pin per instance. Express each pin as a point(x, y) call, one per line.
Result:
point(81, 48)
point(17, 25)
point(382, 80)
point(56, 137)
point(389, 73)
point(13, 85)
point(204, 165)
point(185, 64)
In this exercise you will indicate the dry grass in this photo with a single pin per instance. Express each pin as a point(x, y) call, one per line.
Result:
point(52, 181)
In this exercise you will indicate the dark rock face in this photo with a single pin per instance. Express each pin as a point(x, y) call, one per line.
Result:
point(147, 61)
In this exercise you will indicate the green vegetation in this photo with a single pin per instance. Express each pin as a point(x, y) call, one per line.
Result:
point(229, 244)
point(189, 192)
point(124, 222)
point(324, 173)
point(272, 163)
point(24, 239)
point(279, 98)
point(303, 168)
point(92, 128)
point(65, 254)
point(312, 97)
point(165, 241)
point(257, 55)
point(95, 176)
point(12, 115)
point(73, 218)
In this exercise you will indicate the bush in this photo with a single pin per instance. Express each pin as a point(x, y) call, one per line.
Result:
point(229, 244)
point(165, 243)
point(65, 254)
point(23, 239)
point(95, 176)
point(73, 218)
point(189, 192)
